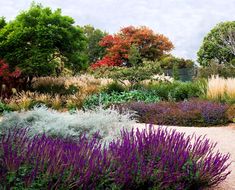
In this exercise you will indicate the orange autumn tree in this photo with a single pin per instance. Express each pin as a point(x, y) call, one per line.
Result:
point(150, 45)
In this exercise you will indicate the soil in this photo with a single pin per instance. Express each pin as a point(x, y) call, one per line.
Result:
point(224, 136)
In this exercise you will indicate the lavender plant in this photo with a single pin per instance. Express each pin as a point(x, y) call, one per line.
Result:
point(148, 159)
point(44, 162)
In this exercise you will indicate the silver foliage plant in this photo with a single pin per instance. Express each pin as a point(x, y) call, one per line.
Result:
point(108, 122)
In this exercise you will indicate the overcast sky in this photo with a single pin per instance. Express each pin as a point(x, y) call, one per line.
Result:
point(185, 22)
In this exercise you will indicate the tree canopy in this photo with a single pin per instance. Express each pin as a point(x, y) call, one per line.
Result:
point(42, 42)
point(218, 45)
point(2, 22)
point(93, 50)
point(150, 45)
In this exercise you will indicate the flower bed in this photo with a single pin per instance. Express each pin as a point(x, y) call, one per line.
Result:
point(151, 159)
point(186, 113)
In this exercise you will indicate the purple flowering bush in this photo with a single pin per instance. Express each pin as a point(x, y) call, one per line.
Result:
point(185, 113)
point(148, 159)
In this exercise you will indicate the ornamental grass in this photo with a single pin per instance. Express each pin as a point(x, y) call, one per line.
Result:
point(221, 89)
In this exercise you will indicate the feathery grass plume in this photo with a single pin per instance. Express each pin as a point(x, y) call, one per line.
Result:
point(56, 102)
point(43, 98)
point(22, 101)
point(220, 88)
point(70, 91)
point(82, 82)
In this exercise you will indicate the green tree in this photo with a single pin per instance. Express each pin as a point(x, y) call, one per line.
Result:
point(134, 56)
point(218, 45)
point(42, 42)
point(2, 22)
point(93, 50)
point(175, 72)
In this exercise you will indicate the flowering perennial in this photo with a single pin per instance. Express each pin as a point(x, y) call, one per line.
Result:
point(185, 113)
point(148, 159)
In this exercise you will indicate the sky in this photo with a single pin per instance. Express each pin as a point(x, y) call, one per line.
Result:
point(184, 22)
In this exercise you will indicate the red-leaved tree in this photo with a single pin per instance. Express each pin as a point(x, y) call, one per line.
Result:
point(8, 79)
point(149, 44)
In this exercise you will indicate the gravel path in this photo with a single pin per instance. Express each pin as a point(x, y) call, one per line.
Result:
point(225, 136)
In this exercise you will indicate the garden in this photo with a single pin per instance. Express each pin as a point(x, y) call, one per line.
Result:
point(72, 98)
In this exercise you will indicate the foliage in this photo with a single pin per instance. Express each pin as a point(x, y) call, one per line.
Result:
point(42, 42)
point(169, 61)
point(2, 22)
point(93, 50)
point(221, 89)
point(133, 74)
point(41, 120)
point(8, 79)
point(58, 92)
point(46, 163)
point(175, 73)
point(114, 87)
point(41, 84)
point(177, 91)
point(151, 159)
point(149, 93)
point(65, 92)
point(213, 45)
point(27, 100)
point(4, 108)
point(231, 113)
point(23, 100)
point(186, 113)
point(57, 89)
point(162, 78)
point(107, 99)
point(216, 69)
point(134, 57)
point(54, 85)
point(84, 91)
point(149, 44)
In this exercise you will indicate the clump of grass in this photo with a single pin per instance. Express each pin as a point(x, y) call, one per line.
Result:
point(70, 85)
point(221, 89)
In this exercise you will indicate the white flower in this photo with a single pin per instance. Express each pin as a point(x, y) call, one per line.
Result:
point(162, 78)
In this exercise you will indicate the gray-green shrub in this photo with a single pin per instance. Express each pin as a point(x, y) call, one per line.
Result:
point(40, 120)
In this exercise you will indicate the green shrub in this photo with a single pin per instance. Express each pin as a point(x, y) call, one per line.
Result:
point(169, 61)
point(4, 107)
point(134, 74)
point(175, 73)
point(56, 89)
point(186, 90)
point(106, 99)
point(114, 87)
point(177, 91)
point(162, 90)
point(225, 71)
